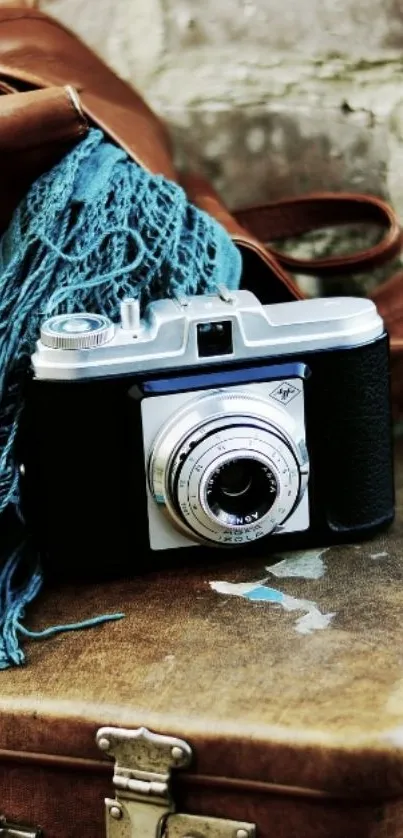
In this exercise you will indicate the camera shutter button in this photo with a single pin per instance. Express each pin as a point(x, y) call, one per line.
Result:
point(130, 315)
point(77, 331)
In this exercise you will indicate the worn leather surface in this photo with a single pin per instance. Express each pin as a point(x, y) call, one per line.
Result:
point(37, 51)
point(69, 801)
point(20, 4)
point(36, 130)
point(297, 731)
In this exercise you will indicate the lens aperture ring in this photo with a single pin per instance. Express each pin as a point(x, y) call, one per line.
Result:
point(191, 475)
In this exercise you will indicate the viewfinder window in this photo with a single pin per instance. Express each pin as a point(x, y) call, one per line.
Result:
point(214, 338)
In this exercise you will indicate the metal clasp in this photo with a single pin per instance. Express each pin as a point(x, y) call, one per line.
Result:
point(15, 830)
point(143, 764)
point(143, 806)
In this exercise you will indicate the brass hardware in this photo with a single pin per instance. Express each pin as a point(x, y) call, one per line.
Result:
point(191, 826)
point(143, 806)
point(143, 764)
point(15, 830)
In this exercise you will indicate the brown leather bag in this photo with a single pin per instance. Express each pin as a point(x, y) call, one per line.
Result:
point(37, 53)
point(36, 130)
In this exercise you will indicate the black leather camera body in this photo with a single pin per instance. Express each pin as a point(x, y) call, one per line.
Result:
point(213, 422)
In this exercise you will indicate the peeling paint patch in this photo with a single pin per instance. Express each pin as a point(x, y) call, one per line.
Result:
point(263, 594)
point(305, 564)
point(312, 620)
point(236, 588)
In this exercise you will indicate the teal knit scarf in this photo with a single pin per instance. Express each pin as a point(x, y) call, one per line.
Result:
point(94, 229)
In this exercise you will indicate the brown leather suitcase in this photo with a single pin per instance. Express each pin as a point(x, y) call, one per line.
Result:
point(266, 719)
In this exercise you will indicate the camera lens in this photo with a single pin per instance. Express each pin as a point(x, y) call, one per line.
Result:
point(226, 468)
point(235, 478)
point(241, 491)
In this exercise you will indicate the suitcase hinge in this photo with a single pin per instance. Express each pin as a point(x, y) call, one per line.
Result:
point(143, 806)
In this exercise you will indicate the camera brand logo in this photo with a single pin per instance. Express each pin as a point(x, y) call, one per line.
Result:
point(285, 392)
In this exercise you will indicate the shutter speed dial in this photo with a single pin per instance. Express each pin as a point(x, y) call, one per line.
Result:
point(77, 331)
point(85, 330)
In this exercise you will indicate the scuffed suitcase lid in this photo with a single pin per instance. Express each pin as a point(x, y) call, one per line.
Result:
point(306, 695)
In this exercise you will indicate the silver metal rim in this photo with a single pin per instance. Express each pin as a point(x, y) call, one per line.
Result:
point(205, 432)
point(191, 491)
point(102, 331)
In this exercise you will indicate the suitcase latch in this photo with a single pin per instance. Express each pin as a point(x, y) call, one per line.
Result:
point(16, 830)
point(143, 806)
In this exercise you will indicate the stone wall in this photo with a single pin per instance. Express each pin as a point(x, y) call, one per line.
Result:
point(268, 97)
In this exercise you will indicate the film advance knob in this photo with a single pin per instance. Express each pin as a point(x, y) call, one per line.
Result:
point(130, 314)
point(77, 331)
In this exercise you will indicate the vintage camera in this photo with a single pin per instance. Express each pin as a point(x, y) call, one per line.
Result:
point(213, 421)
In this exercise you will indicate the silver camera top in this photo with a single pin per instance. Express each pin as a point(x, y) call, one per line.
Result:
point(199, 330)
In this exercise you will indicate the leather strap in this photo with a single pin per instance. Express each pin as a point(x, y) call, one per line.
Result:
point(293, 217)
point(19, 4)
point(201, 192)
point(254, 227)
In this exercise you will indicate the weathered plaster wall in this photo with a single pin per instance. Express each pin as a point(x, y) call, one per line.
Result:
point(269, 97)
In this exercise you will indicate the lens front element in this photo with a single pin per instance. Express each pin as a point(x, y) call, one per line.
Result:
point(240, 491)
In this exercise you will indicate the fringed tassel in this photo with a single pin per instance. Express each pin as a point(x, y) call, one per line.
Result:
point(93, 230)
point(14, 598)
